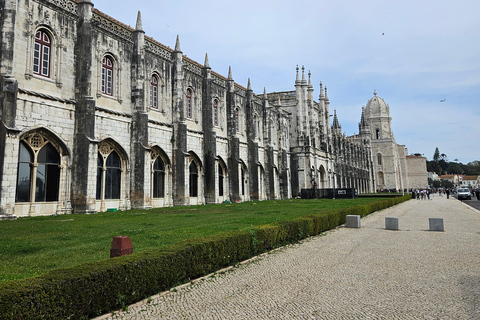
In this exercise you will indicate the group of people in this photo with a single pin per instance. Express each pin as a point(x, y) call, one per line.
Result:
point(424, 194)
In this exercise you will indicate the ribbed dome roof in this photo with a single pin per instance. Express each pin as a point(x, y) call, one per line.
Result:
point(376, 107)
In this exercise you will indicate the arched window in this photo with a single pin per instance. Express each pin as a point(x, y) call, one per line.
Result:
point(158, 178)
point(188, 104)
point(193, 179)
point(109, 175)
point(154, 92)
point(220, 180)
point(107, 76)
point(40, 175)
point(377, 134)
point(215, 113)
point(379, 159)
point(41, 54)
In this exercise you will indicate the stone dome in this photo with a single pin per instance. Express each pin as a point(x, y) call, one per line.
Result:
point(376, 107)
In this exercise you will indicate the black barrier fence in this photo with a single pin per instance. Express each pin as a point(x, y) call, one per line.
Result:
point(342, 193)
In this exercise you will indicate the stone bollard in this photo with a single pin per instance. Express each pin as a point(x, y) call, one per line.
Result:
point(353, 221)
point(391, 223)
point(121, 245)
point(436, 224)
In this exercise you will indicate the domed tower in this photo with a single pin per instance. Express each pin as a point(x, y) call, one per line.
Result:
point(384, 149)
point(377, 113)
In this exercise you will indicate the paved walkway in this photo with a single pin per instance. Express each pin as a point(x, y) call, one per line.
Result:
point(366, 273)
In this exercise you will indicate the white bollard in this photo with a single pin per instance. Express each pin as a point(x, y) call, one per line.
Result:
point(436, 224)
point(353, 221)
point(391, 223)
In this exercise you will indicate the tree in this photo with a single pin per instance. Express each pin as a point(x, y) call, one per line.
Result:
point(436, 155)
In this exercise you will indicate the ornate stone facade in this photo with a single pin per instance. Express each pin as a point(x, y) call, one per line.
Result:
point(96, 115)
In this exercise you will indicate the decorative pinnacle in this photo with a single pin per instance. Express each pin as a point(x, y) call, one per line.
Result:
point(249, 86)
point(230, 73)
point(206, 65)
point(177, 44)
point(138, 26)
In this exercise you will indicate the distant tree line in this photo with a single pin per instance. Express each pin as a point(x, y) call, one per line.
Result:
point(441, 165)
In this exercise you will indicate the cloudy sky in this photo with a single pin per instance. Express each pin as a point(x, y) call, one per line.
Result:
point(414, 53)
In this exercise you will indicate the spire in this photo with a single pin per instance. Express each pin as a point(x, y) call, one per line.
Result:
point(249, 86)
point(297, 80)
point(230, 73)
point(304, 81)
point(138, 26)
point(265, 93)
point(363, 122)
point(322, 96)
point(206, 65)
point(310, 79)
point(326, 95)
point(177, 44)
point(336, 127)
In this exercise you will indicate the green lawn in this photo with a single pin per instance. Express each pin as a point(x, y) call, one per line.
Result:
point(33, 246)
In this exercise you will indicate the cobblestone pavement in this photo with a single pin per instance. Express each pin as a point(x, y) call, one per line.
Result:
point(366, 273)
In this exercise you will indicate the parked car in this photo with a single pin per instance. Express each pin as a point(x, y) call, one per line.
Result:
point(464, 193)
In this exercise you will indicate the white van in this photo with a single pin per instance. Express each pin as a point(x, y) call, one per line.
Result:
point(464, 193)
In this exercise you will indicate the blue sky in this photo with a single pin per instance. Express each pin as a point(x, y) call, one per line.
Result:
point(413, 53)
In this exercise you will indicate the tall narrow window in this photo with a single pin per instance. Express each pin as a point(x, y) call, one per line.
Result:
point(243, 182)
point(193, 179)
point(25, 163)
point(215, 113)
point(41, 54)
point(154, 92)
point(378, 134)
point(158, 178)
point(220, 180)
point(379, 159)
point(107, 76)
point(188, 104)
point(237, 120)
point(38, 177)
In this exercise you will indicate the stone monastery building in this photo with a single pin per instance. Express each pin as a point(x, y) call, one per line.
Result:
point(96, 115)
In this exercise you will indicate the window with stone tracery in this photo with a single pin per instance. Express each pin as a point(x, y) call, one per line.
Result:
point(38, 173)
point(109, 173)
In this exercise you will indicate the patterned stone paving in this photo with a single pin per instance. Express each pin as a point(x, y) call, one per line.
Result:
point(366, 273)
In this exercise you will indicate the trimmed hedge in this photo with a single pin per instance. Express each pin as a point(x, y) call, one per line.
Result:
point(93, 289)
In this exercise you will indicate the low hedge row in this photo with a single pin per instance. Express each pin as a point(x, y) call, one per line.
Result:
point(96, 288)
